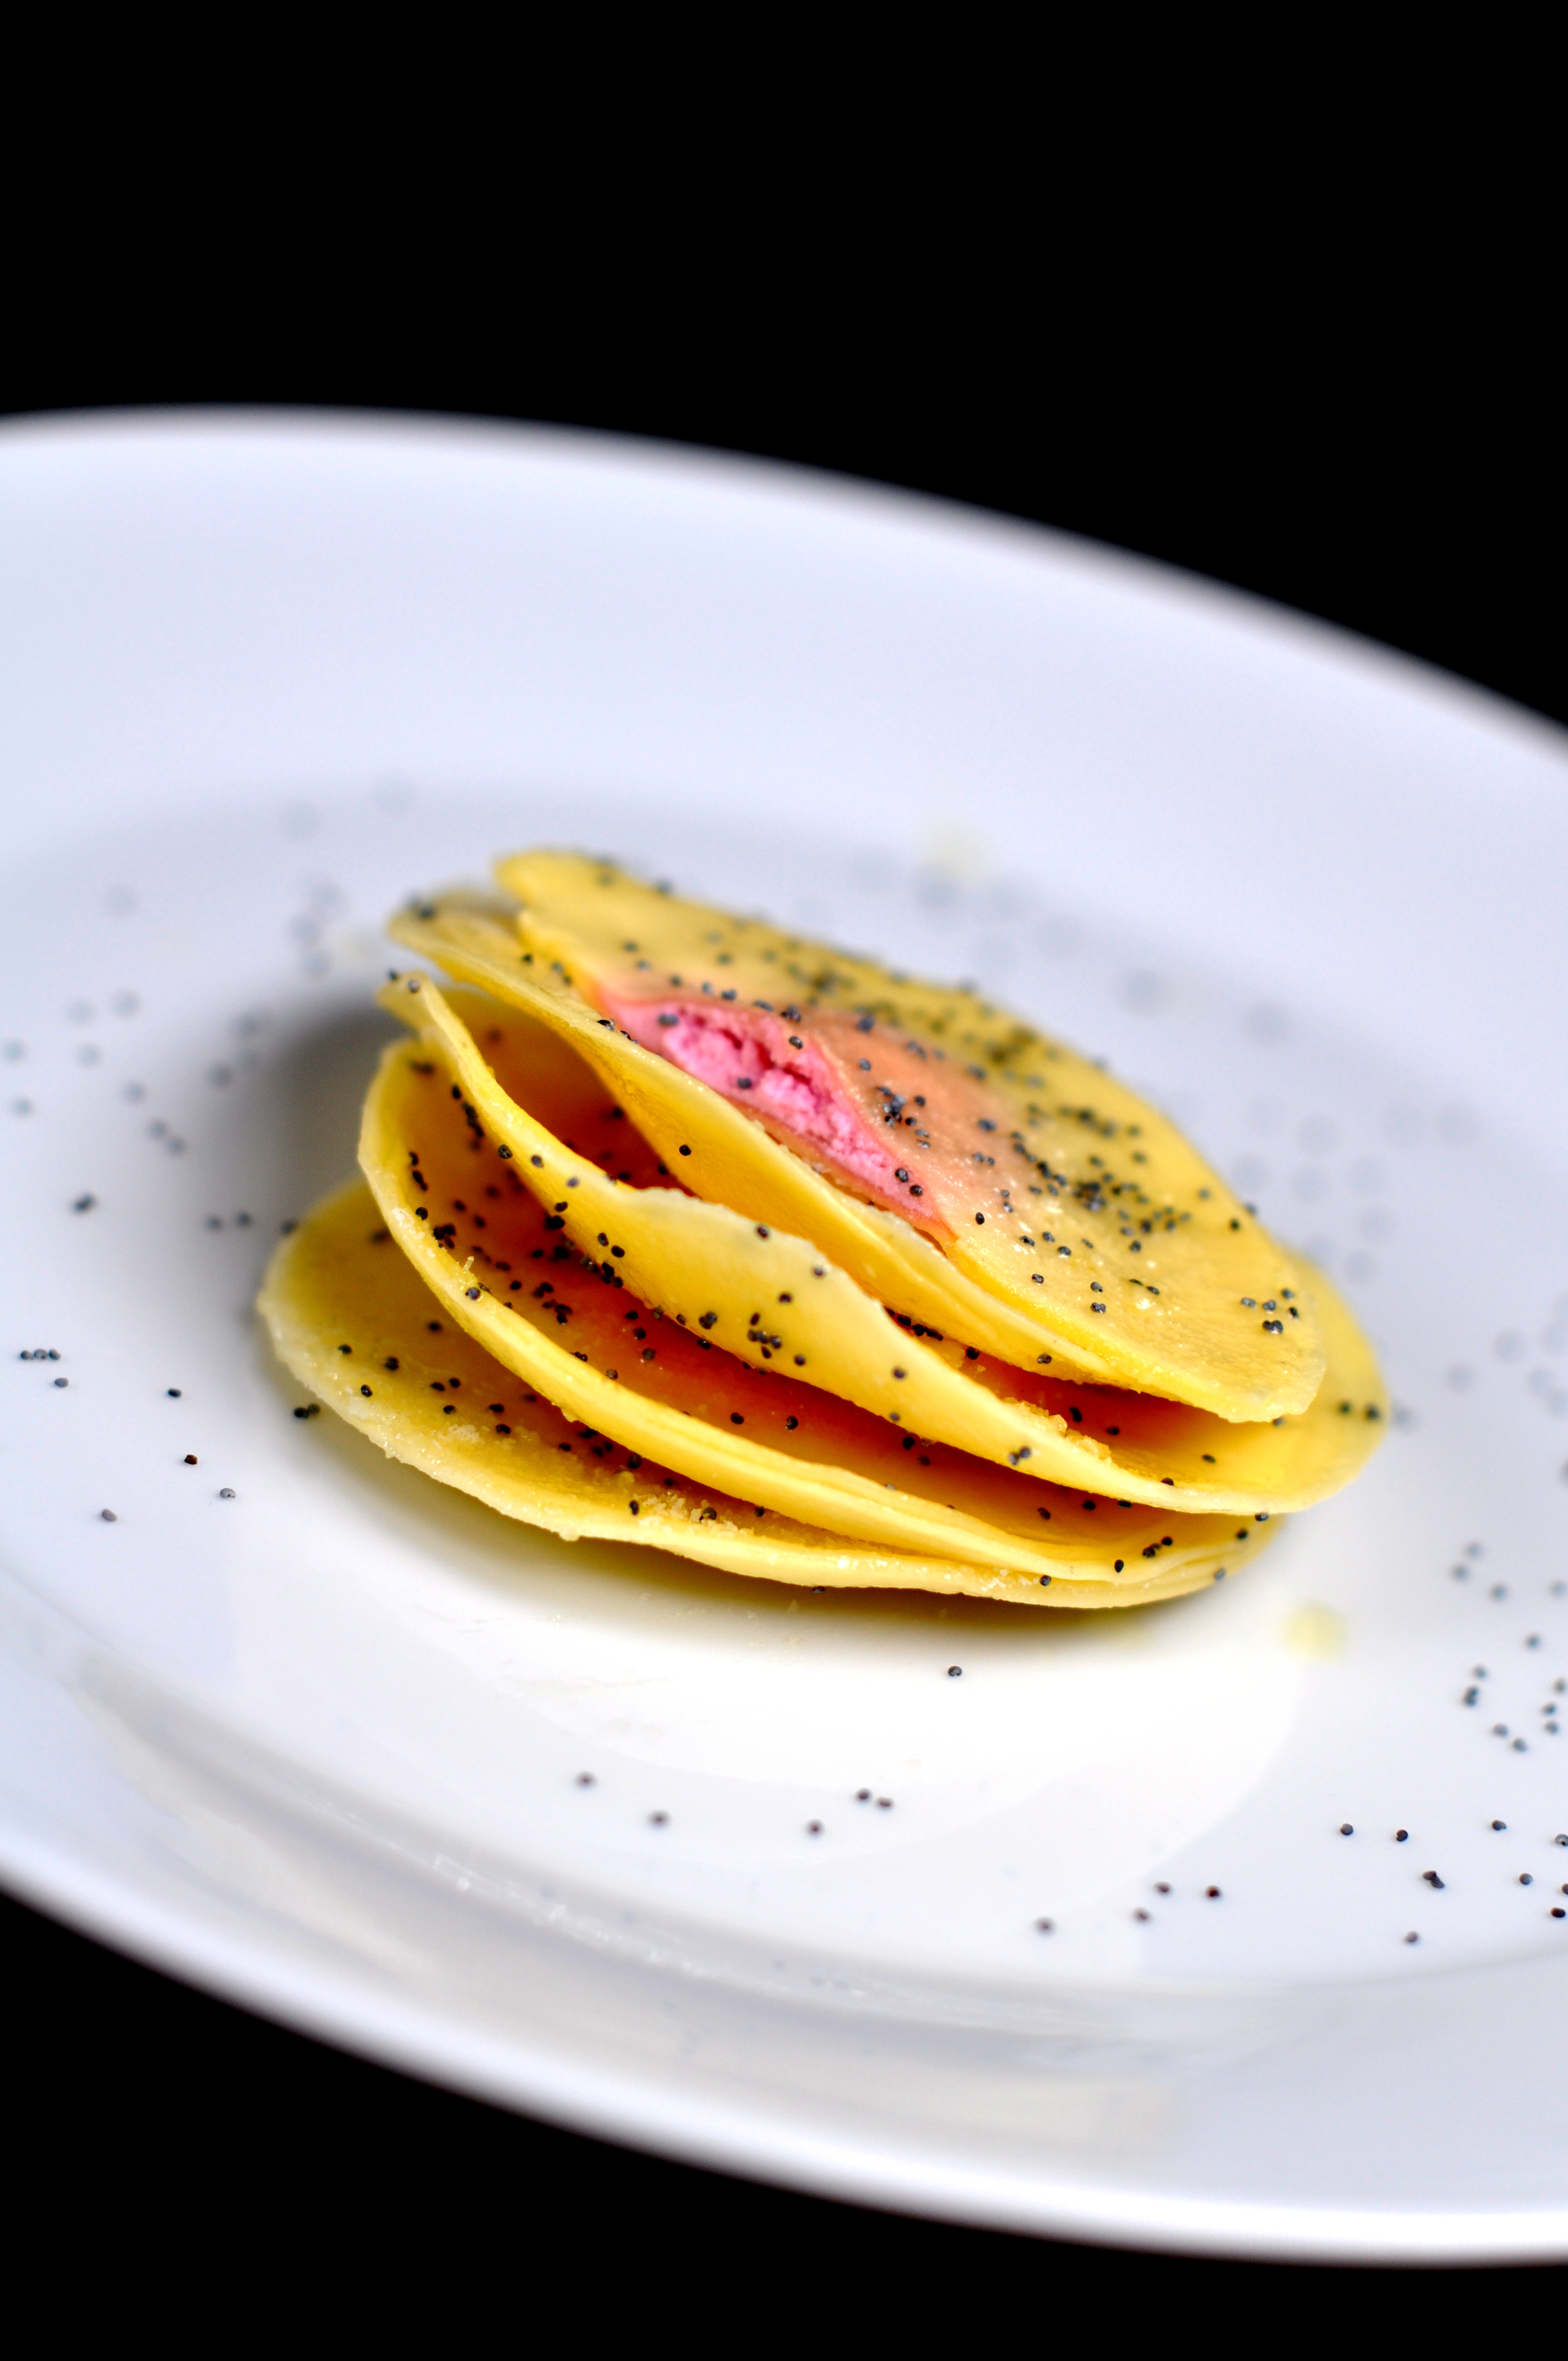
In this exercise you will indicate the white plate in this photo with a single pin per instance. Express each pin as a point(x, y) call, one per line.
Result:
point(317, 1745)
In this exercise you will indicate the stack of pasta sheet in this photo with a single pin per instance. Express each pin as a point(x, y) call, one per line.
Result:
point(678, 1228)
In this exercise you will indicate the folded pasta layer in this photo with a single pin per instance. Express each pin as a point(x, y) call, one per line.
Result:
point(928, 1116)
point(764, 1295)
point(413, 1382)
point(573, 1331)
point(729, 1158)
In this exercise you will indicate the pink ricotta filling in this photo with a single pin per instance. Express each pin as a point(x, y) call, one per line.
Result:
point(749, 1058)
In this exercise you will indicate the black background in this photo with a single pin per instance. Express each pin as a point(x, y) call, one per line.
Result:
point(1356, 420)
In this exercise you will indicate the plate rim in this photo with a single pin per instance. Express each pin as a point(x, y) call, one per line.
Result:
point(419, 2041)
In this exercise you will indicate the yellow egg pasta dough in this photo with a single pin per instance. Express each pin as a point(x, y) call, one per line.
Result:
point(1058, 1212)
point(679, 1229)
point(570, 1327)
point(427, 1393)
point(774, 1299)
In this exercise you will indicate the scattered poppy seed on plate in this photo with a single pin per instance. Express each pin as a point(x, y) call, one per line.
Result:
point(108, 1516)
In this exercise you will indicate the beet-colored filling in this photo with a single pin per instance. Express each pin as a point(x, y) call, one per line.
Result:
point(795, 1082)
point(892, 1118)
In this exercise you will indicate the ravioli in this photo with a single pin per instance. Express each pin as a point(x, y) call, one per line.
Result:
point(570, 1329)
point(685, 1231)
point(768, 1297)
point(1042, 1209)
point(427, 1394)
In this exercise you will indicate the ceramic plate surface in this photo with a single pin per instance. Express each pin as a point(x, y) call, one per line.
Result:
point(307, 1729)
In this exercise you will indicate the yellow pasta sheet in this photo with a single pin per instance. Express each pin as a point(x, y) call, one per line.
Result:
point(500, 1262)
point(1104, 1244)
point(776, 1301)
